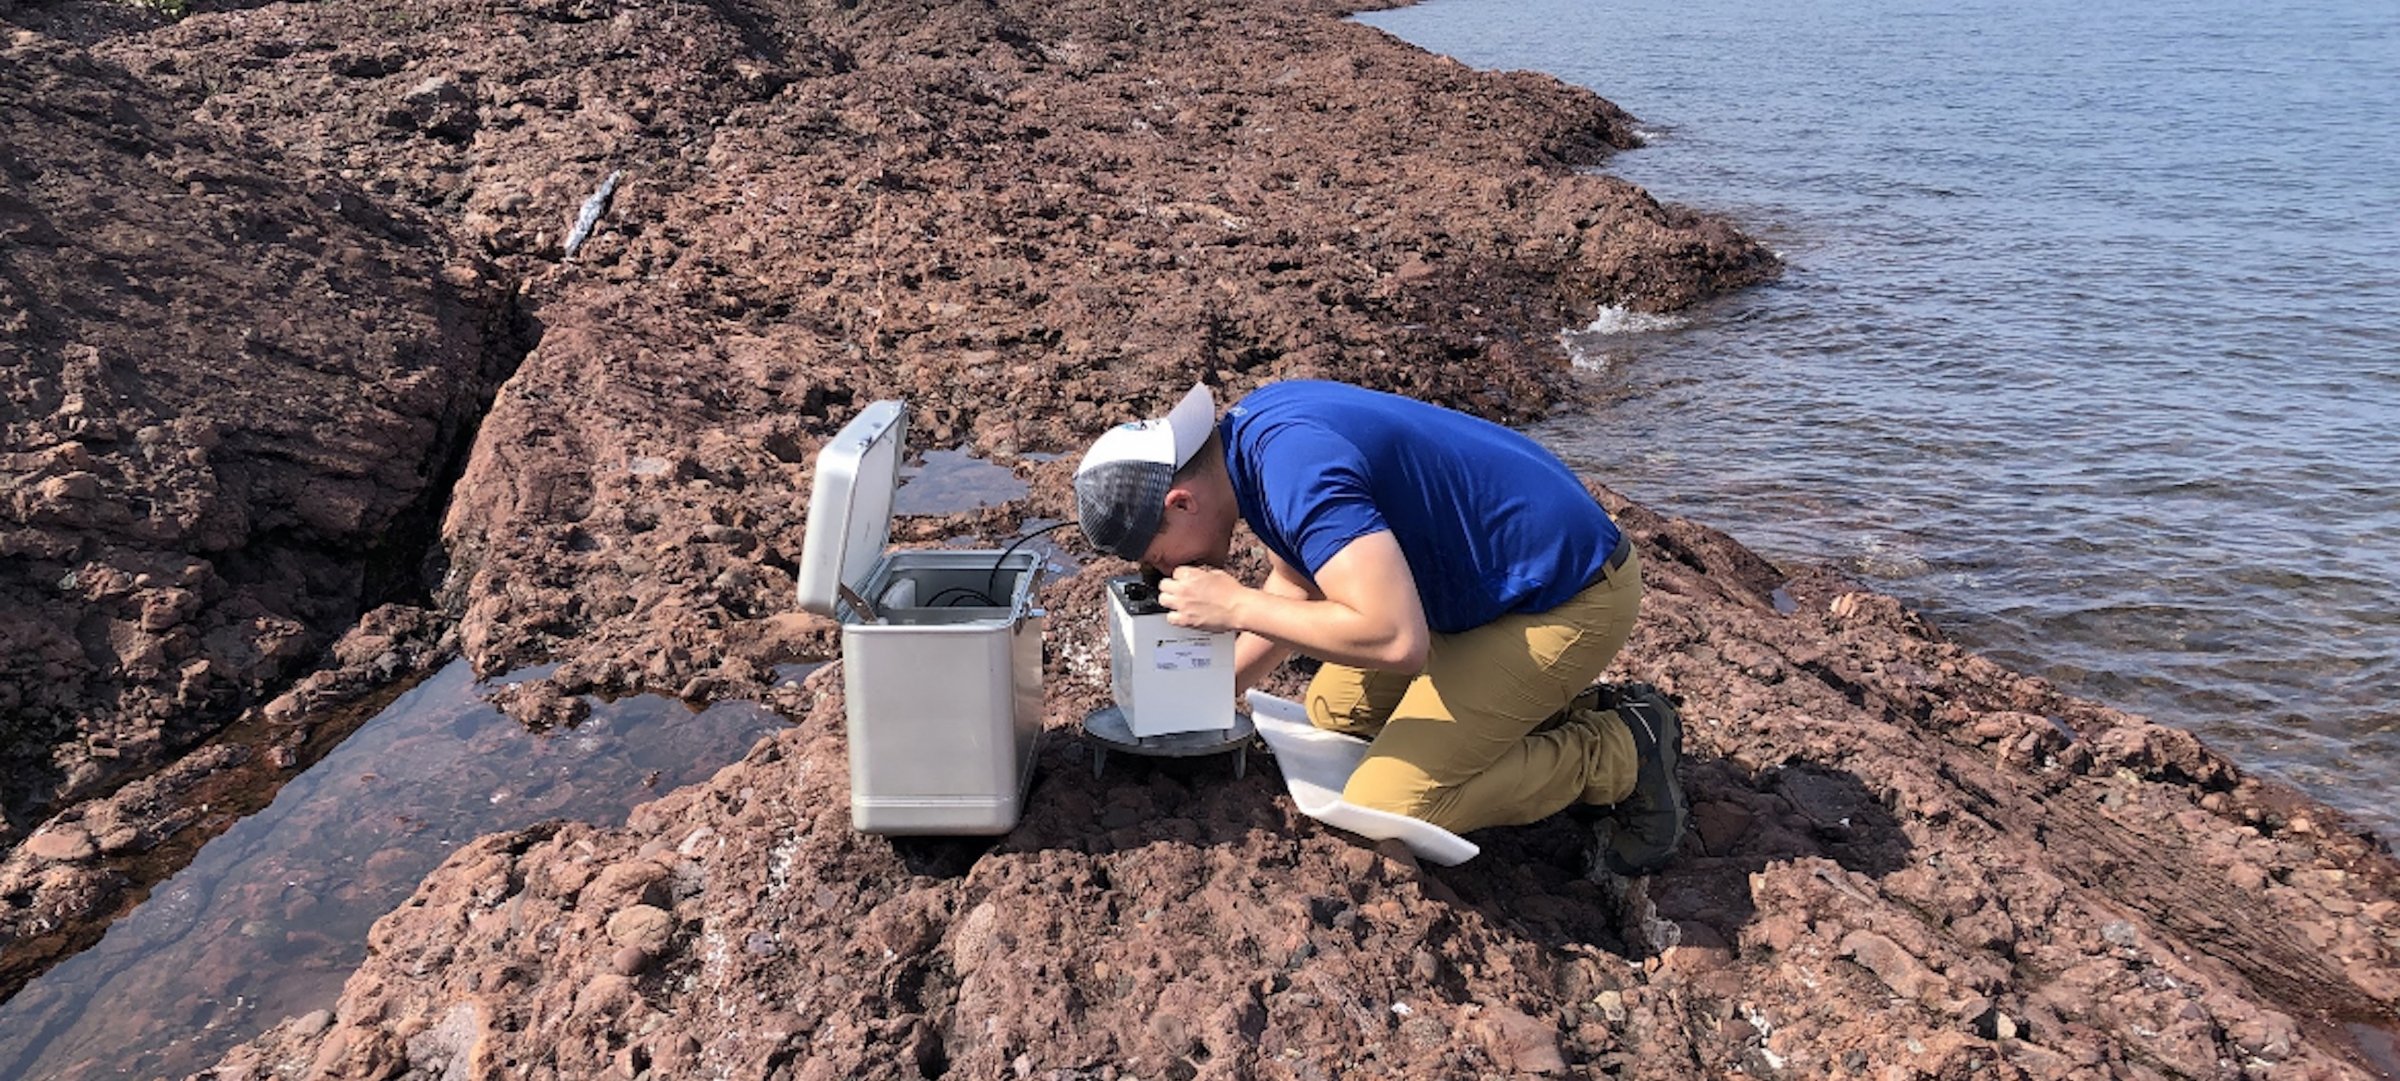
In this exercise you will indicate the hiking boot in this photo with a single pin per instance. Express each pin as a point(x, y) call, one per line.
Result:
point(1639, 834)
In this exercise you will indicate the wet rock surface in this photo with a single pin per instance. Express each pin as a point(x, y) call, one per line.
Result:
point(1029, 221)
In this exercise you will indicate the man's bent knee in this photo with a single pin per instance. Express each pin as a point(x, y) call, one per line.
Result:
point(1389, 784)
point(1363, 723)
point(1345, 700)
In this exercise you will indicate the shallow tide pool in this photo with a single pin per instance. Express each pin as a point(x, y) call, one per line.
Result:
point(271, 917)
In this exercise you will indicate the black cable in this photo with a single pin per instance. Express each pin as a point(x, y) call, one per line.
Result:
point(992, 583)
point(964, 591)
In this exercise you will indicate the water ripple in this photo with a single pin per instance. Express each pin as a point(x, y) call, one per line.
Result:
point(2088, 346)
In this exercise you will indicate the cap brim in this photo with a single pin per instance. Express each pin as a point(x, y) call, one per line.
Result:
point(1191, 420)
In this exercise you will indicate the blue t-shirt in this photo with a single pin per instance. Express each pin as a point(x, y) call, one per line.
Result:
point(1489, 521)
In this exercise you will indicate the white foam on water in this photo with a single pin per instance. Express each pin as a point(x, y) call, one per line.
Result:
point(1613, 320)
point(1588, 347)
point(1584, 360)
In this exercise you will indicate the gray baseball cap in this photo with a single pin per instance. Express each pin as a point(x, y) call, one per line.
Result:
point(1121, 486)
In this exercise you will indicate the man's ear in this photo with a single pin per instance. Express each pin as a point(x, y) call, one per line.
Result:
point(1181, 499)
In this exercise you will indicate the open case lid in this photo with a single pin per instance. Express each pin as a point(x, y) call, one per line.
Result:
point(850, 507)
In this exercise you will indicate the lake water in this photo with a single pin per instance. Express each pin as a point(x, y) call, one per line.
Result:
point(2089, 346)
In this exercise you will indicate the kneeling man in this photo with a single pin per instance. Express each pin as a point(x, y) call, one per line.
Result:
point(1459, 583)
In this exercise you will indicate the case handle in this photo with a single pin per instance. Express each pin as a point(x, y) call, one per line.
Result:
point(864, 607)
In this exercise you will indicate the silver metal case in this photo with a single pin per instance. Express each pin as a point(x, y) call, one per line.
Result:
point(943, 679)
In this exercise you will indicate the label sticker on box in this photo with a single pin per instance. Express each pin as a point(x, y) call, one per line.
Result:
point(1183, 654)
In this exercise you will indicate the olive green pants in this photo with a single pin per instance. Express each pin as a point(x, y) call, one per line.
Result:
point(1457, 746)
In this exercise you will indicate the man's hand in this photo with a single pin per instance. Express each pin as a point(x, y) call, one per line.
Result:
point(1362, 609)
point(1203, 598)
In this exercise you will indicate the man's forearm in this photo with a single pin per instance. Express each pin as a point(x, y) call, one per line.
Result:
point(1361, 610)
point(1253, 658)
point(1256, 655)
point(1327, 630)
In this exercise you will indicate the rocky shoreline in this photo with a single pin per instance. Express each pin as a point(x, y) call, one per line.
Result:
point(1907, 863)
point(1028, 221)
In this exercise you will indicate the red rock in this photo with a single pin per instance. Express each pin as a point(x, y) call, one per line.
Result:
point(1720, 824)
point(1517, 1042)
point(641, 926)
point(1907, 975)
point(161, 459)
point(61, 843)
